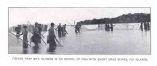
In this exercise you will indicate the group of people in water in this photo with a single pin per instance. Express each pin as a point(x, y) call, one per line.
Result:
point(61, 30)
point(37, 36)
point(109, 27)
point(145, 26)
point(106, 26)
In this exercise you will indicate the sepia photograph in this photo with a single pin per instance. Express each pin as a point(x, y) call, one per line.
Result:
point(79, 30)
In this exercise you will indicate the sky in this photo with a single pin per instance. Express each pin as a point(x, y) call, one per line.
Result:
point(65, 15)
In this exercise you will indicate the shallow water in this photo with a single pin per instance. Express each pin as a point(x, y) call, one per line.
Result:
point(91, 42)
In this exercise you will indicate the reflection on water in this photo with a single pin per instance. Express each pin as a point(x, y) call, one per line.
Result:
point(25, 51)
point(95, 42)
point(35, 49)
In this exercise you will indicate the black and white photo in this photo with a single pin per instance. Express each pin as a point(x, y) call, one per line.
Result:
point(79, 30)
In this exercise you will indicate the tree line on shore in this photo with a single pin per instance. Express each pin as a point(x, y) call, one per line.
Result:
point(125, 18)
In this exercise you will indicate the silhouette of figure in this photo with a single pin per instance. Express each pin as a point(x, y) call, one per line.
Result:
point(40, 30)
point(64, 32)
point(18, 30)
point(45, 27)
point(141, 26)
point(77, 28)
point(36, 35)
point(148, 26)
point(51, 38)
point(111, 26)
point(106, 27)
point(25, 40)
point(59, 30)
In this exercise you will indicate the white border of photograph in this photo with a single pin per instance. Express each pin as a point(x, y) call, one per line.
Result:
point(7, 59)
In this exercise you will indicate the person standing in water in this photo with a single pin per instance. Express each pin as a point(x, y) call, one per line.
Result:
point(59, 28)
point(40, 30)
point(111, 26)
point(64, 31)
point(51, 38)
point(36, 36)
point(77, 28)
point(141, 26)
point(18, 30)
point(25, 40)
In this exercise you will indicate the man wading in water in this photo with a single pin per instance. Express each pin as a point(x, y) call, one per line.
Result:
point(36, 36)
point(51, 38)
point(25, 40)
